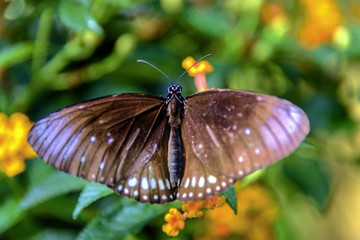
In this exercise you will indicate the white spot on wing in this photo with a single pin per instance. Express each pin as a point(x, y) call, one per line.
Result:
point(156, 197)
point(144, 184)
point(92, 138)
point(257, 151)
point(193, 182)
point(247, 131)
point(153, 183)
point(187, 183)
point(168, 186)
point(184, 195)
point(101, 165)
point(132, 182)
point(110, 140)
point(136, 193)
point(208, 190)
point(241, 159)
point(163, 197)
point(119, 187)
point(145, 197)
point(191, 194)
point(82, 159)
point(201, 182)
point(126, 191)
point(161, 184)
point(212, 179)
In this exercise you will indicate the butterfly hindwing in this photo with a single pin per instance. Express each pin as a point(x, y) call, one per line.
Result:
point(150, 183)
point(199, 182)
point(234, 133)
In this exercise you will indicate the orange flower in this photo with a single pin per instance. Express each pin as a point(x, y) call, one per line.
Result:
point(322, 18)
point(272, 13)
point(193, 209)
point(14, 148)
point(175, 222)
point(215, 201)
point(198, 71)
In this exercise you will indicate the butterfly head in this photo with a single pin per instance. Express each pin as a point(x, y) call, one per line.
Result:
point(174, 89)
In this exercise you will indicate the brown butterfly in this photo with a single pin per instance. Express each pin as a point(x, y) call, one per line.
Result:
point(156, 149)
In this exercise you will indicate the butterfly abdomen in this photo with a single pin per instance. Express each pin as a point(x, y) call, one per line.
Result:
point(174, 112)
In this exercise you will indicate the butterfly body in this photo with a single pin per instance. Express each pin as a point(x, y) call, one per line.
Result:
point(157, 150)
point(175, 157)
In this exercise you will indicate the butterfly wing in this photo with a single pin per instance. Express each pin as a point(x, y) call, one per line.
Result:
point(199, 181)
point(229, 134)
point(114, 140)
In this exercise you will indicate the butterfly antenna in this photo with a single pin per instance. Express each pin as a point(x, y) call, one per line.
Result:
point(143, 61)
point(192, 66)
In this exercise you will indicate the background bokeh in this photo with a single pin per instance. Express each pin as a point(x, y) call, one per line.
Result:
point(56, 53)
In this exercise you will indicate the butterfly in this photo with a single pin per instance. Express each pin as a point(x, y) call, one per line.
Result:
point(156, 150)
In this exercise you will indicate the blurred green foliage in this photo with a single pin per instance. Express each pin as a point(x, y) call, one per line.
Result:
point(54, 53)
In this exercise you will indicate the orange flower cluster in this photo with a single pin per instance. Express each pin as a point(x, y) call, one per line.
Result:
point(256, 215)
point(322, 19)
point(198, 71)
point(14, 148)
point(176, 221)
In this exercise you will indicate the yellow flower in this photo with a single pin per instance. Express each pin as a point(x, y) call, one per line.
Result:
point(322, 19)
point(14, 148)
point(198, 71)
point(175, 222)
point(193, 209)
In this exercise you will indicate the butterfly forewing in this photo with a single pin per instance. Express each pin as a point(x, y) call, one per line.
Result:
point(107, 140)
point(234, 133)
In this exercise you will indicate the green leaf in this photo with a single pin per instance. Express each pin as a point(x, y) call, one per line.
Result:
point(209, 21)
point(15, 9)
point(54, 185)
point(54, 234)
point(10, 214)
point(121, 219)
point(231, 198)
point(75, 15)
point(311, 177)
point(91, 193)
